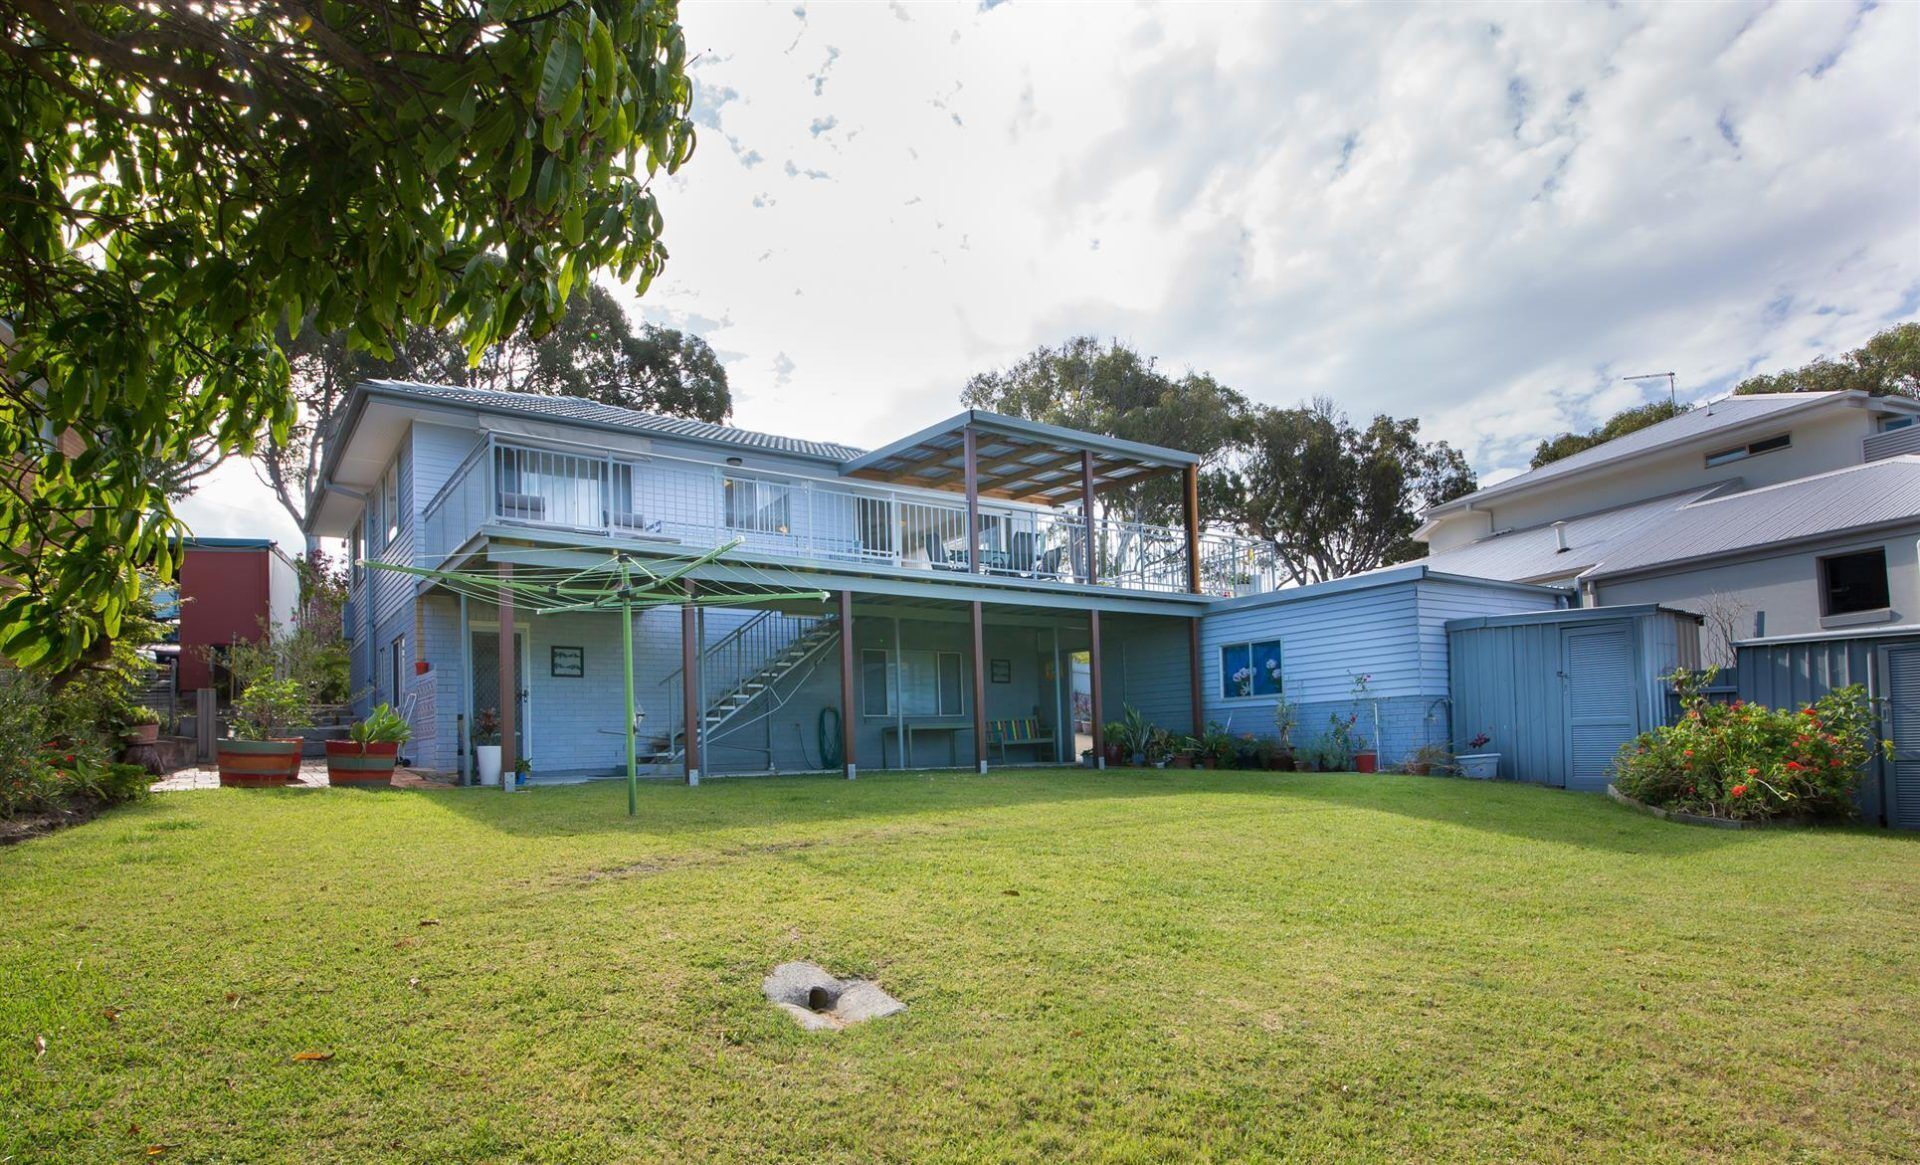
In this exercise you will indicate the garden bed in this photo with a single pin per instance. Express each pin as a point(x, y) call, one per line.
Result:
point(1698, 819)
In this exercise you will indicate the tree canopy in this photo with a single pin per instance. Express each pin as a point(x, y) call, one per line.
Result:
point(1618, 425)
point(1336, 499)
point(1886, 365)
point(181, 183)
point(593, 351)
point(1112, 389)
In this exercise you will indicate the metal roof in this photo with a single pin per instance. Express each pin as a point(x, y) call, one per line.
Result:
point(1877, 493)
point(1018, 459)
point(1534, 552)
point(578, 410)
point(1689, 426)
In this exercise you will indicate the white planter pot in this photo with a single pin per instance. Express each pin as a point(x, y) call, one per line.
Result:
point(486, 758)
point(1481, 766)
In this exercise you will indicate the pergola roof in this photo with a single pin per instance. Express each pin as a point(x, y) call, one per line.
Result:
point(1019, 460)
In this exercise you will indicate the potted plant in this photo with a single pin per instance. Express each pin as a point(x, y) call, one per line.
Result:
point(1217, 747)
point(1181, 751)
point(1475, 763)
point(368, 756)
point(256, 754)
point(1159, 747)
point(522, 770)
point(1429, 758)
point(1286, 717)
point(143, 726)
point(1365, 759)
point(1134, 733)
point(486, 747)
point(1113, 742)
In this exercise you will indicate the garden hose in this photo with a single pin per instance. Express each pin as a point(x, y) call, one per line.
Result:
point(829, 739)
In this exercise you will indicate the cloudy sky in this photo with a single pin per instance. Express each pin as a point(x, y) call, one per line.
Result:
point(1480, 217)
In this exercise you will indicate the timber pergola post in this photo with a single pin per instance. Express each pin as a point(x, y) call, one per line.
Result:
point(979, 687)
point(509, 685)
point(970, 454)
point(848, 736)
point(1190, 498)
point(1086, 514)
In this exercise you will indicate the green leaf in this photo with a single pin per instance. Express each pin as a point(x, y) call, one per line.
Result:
point(560, 73)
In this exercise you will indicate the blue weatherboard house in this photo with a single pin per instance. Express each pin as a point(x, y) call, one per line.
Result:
point(981, 604)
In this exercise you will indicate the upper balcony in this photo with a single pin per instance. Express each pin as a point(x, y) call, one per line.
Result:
point(834, 523)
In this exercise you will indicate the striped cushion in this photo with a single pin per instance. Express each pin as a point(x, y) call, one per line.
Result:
point(1020, 731)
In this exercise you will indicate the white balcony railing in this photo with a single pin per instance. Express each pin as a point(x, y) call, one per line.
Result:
point(818, 520)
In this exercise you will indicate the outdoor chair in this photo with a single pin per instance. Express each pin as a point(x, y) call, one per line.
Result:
point(1023, 732)
point(526, 507)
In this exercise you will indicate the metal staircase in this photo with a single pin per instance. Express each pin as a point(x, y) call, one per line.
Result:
point(746, 676)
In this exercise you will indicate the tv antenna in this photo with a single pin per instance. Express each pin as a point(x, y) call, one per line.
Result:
point(1672, 396)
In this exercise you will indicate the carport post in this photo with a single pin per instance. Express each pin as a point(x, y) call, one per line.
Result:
point(509, 685)
point(692, 713)
point(626, 657)
point(1093, 689)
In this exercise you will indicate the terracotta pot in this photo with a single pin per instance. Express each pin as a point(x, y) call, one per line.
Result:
point(143, 734)
point(257, 764)
point(1419, 768)
point(1280, 763)
point(1366, 762)
point(351, 763)
point(1180, 760)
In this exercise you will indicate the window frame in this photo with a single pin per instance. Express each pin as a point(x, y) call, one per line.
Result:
point(886, 683)
point(731, 510)
point(1253, 649)
point(1885, 590)
point(398, 649)
point(390, 505)
point(1759, 448)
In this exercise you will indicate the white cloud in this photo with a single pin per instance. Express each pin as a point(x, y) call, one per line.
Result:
point(1479, 216)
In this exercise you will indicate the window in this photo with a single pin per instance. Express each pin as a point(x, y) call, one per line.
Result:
point(1741, 452)
point(932, 683)
point(399, 651)
point(876, 695)
point(1851, 583)
point(1889, 424)
point(760, 506)
point(1250, 669)
point(354, 555)
point(390, 503)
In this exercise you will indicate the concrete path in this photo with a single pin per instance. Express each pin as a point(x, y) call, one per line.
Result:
point(313, 775)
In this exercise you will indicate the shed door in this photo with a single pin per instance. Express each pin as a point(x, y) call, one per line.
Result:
point(1602, 711)
point(1903, 728)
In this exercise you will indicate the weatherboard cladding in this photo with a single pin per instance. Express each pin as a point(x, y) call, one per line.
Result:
point(1860, 496)
point(578, 410)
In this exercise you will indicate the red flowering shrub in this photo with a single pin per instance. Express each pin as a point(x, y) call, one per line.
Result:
point(1742, 760)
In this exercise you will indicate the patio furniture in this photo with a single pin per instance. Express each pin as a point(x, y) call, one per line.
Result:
point(526, 507)
point(905, 733)
point(1025, 731)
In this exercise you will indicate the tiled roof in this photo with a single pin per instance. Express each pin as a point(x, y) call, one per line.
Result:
point(573, 408)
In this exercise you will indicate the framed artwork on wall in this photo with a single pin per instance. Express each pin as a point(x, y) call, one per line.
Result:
point(1000, 671)
point(569, 662)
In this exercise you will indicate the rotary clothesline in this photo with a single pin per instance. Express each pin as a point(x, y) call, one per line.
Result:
point(622, 582)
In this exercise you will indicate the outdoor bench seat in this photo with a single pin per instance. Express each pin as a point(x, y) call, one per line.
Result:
point(1024, 731)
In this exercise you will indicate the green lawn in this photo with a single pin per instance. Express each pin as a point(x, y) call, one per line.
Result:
point(1130, 966)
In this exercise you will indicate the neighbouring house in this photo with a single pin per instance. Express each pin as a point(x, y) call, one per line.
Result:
point(939, 645)
point(1767, 515)
point(229, 590)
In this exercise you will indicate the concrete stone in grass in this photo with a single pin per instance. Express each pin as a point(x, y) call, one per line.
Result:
point(820, 1002)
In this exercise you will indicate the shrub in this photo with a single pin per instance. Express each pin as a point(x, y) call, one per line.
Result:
point(383, 725)
point(1750, 762)
point(267, 708)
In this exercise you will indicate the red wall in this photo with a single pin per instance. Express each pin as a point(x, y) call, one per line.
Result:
point(224, 597)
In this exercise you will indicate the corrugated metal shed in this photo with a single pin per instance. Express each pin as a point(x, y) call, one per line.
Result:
point(1560, 691)
point(1873, 494)
point(1790, 671)
point(573, 408)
